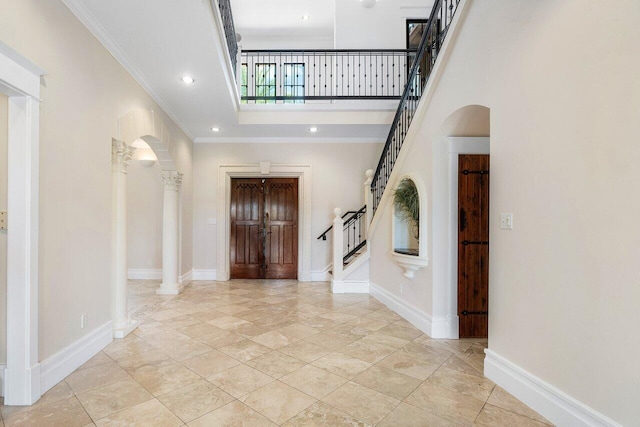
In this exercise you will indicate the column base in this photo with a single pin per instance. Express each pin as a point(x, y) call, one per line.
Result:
point(125, 329)
point(169, 289)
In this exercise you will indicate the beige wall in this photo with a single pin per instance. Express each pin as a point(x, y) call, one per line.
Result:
point(84, 93)
point(4, 128)
point(565, 102)
point(338, 172)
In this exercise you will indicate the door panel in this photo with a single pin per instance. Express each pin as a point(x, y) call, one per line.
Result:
point(245, 255)
point(473, 245)
point(264, 228)
point(282, 241)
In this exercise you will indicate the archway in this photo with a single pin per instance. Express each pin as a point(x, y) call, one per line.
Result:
point(143, 125)
point(465, 131)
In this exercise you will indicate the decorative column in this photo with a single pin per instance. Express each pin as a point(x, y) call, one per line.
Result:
point(170, 286)
point(120, 155)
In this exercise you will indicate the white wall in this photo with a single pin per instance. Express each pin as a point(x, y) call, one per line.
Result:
point(84, 93)
point(4, 129)
point(564, 99)
point(380, 27)
point(338, 175)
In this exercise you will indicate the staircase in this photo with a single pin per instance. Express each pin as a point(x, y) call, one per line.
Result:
point(351, 269)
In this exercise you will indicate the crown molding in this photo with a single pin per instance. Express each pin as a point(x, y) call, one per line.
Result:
point(91, 23)
point(287, 140)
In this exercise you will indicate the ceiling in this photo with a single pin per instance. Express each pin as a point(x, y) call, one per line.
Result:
point(160, 44)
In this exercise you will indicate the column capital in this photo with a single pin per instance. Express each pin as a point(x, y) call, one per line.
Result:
point(120, 155)
point(172, 180)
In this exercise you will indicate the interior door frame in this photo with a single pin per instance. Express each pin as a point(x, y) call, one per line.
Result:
point(20, 81)
point(457, 146)
point(264, 170)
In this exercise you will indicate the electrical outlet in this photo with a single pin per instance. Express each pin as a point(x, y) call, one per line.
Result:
point(506, 221)
point(83, 320)
point(149, 261)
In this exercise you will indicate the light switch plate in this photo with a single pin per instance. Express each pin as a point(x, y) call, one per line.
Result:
point(211, 221)
point(506, 221)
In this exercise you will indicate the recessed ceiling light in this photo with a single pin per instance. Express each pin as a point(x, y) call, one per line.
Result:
point(215, 129)
point(305, 17)
point(313, 129)
point(187, 80)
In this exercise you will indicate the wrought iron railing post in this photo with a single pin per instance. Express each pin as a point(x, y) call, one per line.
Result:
point(368, 199)
point(338, 244)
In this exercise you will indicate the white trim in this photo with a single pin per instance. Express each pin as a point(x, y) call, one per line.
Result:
point(553, 404)
point(20, 80)
point(144, 274)
point(60, 365)
point(186, 277)
point(203, 274)
point(350, 286)
point(94, 26)
point(321, 275)
point(434, 328)
point(2, 368)
point(303, 173)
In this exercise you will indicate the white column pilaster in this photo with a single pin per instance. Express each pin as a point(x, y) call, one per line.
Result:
point(120, 155)
point(170, 227)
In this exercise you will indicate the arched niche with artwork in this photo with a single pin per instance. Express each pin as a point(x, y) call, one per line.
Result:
point(408, 237)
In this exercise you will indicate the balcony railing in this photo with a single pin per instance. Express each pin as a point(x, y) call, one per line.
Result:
point(229, 29)
point(434, 34)
point(298, 76)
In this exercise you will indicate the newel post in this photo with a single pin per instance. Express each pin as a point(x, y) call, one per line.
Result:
point(338, 244)
point(368, 197)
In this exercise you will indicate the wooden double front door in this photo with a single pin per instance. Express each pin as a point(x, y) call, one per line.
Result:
point(473, 245)
point(264, 228)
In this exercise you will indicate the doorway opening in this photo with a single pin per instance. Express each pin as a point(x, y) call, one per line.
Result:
point(263, 219)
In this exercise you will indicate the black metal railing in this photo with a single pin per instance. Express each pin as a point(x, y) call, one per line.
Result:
point(435, 32)
point(229, 30)
point(297, 76)
point(355, 233)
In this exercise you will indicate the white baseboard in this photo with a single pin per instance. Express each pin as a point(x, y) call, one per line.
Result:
point(434, 328)
point(349, 287)
point(144, 274)
point(321, 275)
point(553, 404)
point(60, 365)
point(204, 274)
point(2, 368)
point(186, 277)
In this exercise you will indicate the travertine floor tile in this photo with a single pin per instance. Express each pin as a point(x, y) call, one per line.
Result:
point(276, 364)
point(240, 380)
point(150, 413)
point(98, 376)
point(322, 415)
point(66, 412)
point(410, 416)
point(304, 350)
point(369, 352)
point(469, 385)
point(275, 339)
point(195, 400)
point(115, 397)
point(446, 403)
point(342, 364)
point(504, 400)
point(493, 416)
point(278, 401)
point(386, 381)
point(361, 402)
point(160, 380)
point(313, 381)
point(210, 363)
point(245, 350)
point(235, 414)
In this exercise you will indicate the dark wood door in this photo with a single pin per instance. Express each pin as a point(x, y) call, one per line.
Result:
point(264, 228)
point(473, 245)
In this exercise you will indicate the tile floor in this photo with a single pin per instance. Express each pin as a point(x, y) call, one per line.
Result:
point(267, 353)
